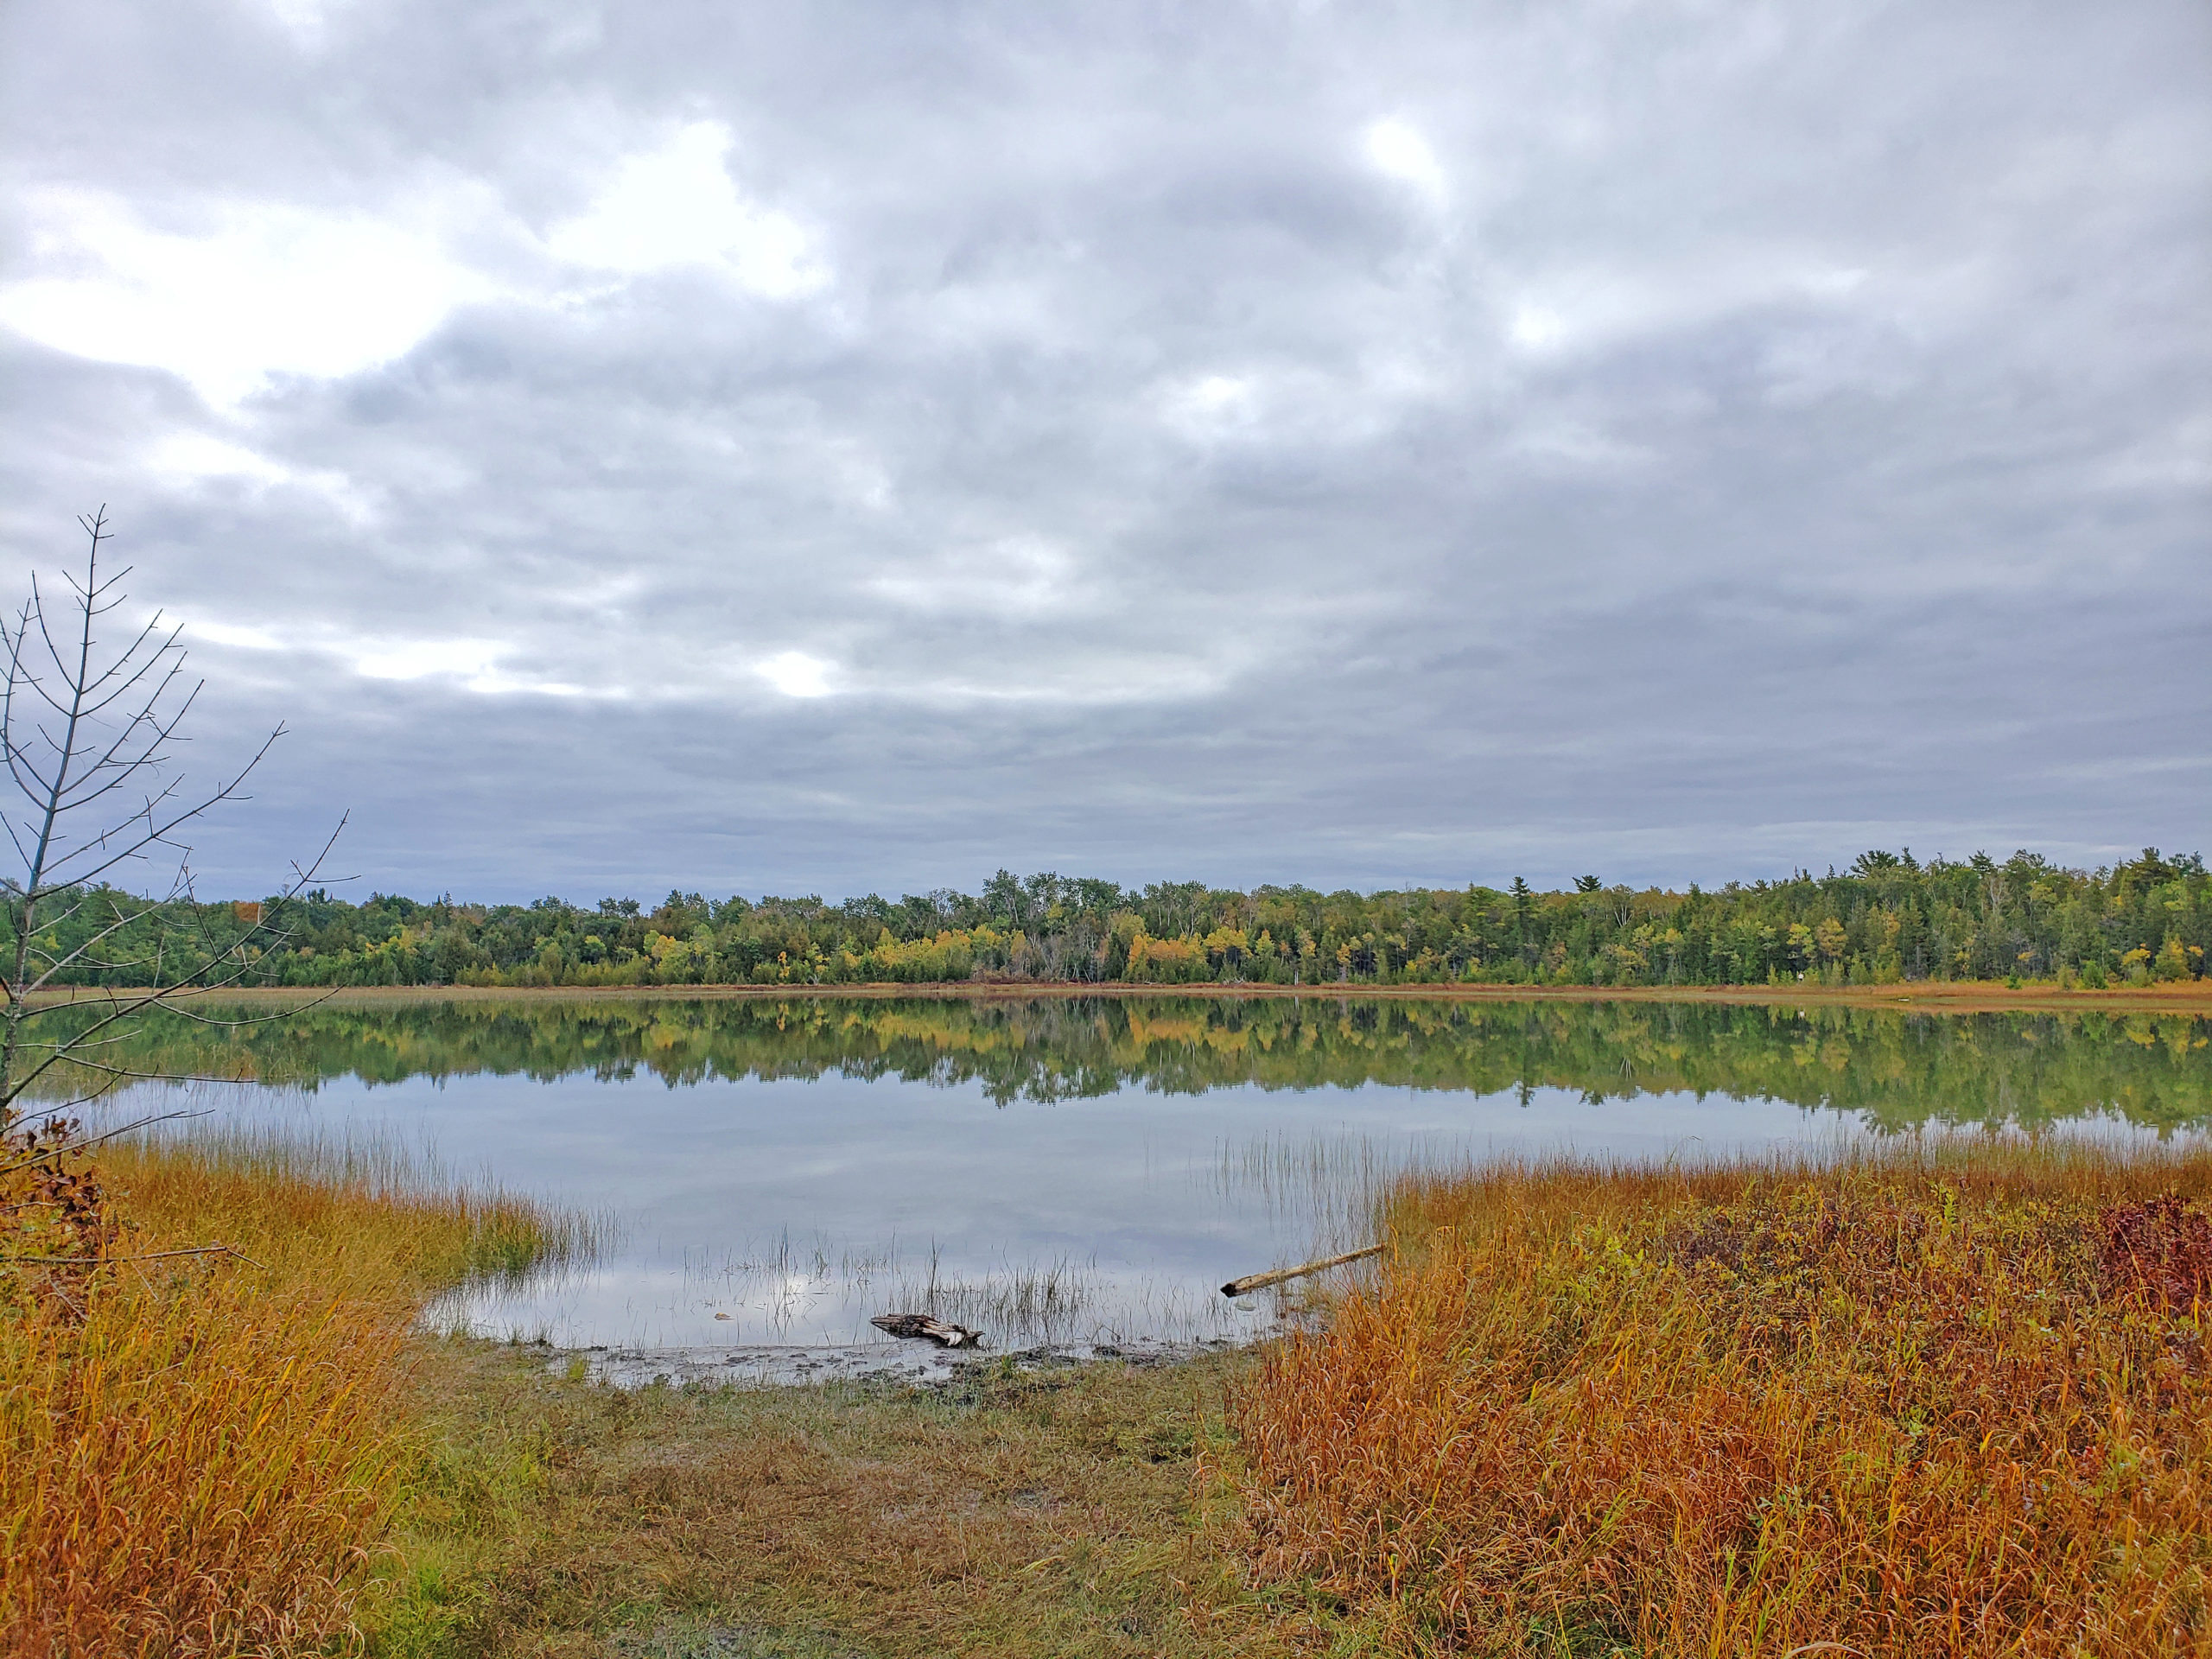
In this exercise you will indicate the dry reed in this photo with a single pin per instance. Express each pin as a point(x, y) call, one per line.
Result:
point(1952, 1401)
point(197, 1458)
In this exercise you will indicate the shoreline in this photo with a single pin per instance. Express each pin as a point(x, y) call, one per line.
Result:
point(1946, 997)
point(799, 1365)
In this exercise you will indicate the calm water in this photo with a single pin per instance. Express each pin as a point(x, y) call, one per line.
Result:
point(1089, 1170)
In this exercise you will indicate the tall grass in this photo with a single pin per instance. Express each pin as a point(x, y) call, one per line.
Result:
point(198, 1458)
point(1948, 1401)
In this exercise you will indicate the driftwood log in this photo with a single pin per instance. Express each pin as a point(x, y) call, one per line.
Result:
point(921, 1325)
point(1261, 1280)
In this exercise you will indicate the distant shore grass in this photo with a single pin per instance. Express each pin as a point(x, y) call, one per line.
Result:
point(201, 1455)
point(1929, 996)
point(1954, 1401)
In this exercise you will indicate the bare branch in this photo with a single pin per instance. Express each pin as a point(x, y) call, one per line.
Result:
point(93, 1139)
point(150, 1255)
point(159, 835)
point(77, 730)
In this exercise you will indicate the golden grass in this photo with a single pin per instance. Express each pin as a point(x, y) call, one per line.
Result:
point(201, 1463)
point(1950, 1403)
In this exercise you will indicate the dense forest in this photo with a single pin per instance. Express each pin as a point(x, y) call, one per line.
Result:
point(1887, 918)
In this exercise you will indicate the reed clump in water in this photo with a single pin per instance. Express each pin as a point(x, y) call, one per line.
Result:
point(1954, 1401)
point(197, 1454)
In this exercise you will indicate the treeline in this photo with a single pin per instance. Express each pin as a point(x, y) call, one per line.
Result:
point(1888, 918)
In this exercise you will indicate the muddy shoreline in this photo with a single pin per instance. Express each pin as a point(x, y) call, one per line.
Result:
point(914, 1364)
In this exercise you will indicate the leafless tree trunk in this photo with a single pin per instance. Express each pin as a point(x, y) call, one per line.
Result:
point(89, 733)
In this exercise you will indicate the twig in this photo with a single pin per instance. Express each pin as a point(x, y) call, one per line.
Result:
point(51, 1153)
point(150, 1255)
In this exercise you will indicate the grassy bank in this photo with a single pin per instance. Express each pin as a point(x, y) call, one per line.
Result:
point(1957, 1404)
point(1015, 1515)
point(198, 1454)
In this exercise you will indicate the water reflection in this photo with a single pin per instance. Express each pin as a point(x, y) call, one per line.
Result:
point(1088, 1169)
point(1903, 1068)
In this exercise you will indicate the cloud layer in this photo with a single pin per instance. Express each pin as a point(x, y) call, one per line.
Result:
point(816, 449)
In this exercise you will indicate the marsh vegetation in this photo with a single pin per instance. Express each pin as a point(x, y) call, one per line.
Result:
point(1949, 1400)
point(200, 1453)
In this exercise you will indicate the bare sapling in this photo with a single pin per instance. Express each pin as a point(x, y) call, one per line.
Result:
point(95, 805)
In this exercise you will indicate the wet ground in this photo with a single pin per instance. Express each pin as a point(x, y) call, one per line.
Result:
point(920, 1363)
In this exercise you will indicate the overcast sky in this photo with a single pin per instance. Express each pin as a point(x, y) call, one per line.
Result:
point(818, 448)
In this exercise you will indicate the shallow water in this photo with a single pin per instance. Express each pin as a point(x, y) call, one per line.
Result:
point(1088, 1171)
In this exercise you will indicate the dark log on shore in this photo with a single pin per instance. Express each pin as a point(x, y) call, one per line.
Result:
point(921, 1325)
point(1261, 1280)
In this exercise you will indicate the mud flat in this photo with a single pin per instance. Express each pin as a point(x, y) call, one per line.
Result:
point(917, 1365)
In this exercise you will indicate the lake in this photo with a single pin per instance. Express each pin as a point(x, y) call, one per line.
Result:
point(1088, 1170)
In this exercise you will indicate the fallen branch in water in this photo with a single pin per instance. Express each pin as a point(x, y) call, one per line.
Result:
point(921, 1325)
point(1261, 1280)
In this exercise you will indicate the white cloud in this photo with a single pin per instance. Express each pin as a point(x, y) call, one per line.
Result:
point(1831, 284)
point(187, 459)
point(1089, 677)
point(417, 660)
point(1399, 152)
point(308, 22)
point(796, 673)
point(1573, 446)
point(257, 288)
point(1294, 402)
point(232, 635)
point(473, 663)
point(1017, 576)
point(1213, 405)
point(2179, 458)
point(1535, 327)
point(678, 207)
point(264, 289)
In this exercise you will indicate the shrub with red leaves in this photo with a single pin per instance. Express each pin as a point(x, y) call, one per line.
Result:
point(2159, 1249)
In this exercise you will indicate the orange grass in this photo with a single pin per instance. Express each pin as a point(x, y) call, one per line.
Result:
point(203, 1464)
point(1945, 1402)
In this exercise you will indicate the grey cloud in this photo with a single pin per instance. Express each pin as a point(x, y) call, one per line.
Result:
point(1777, 433)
